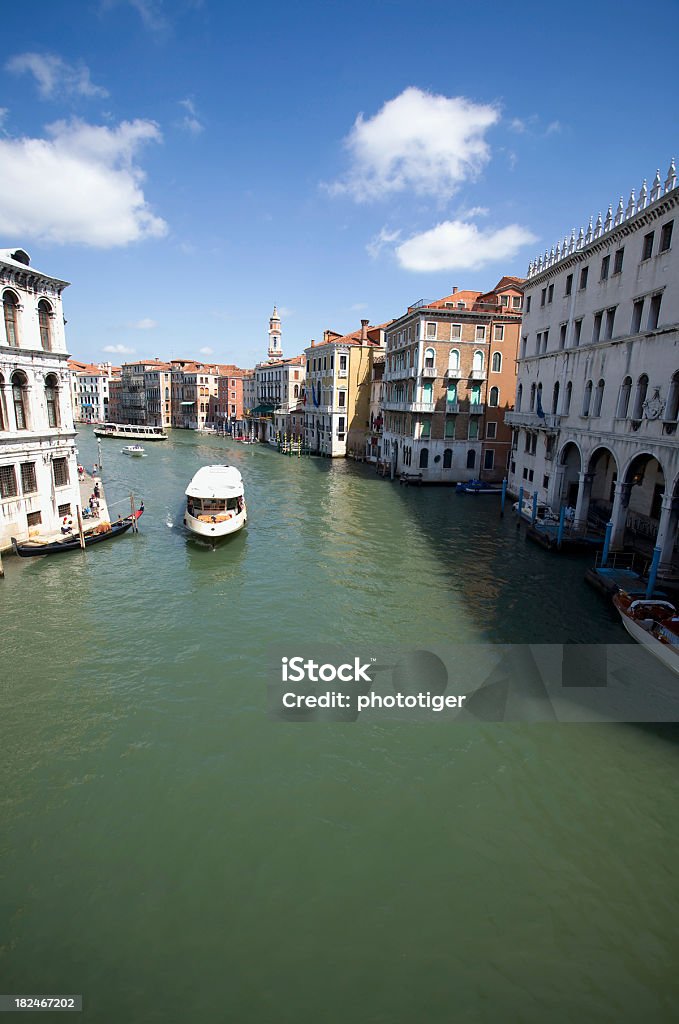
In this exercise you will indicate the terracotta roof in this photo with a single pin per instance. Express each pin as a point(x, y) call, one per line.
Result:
point(468, 297)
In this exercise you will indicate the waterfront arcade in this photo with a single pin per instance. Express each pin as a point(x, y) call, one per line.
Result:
point(597, 402)
point(38, 466)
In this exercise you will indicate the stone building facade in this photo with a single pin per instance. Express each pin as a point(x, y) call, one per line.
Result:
point(597, 405)
point(38, 465)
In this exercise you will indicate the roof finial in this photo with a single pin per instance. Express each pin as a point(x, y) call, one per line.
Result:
point(620, 213)
point(598, 227)
point(671, 179)
point(631, 206)
point(643, 196)
point(589, 232)
point(656, 187)
point(608, 223)
point(581, 239)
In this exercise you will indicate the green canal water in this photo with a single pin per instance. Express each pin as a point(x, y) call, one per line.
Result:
point(176, 856)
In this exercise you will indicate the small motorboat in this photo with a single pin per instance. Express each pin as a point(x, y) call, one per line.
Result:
point(215, 502)
point(71, 542)
point(477, 487)
point(133, 449)
point(653, 623)
point(544, 512)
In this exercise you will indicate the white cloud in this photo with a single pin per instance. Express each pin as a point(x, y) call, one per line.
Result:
point(80, 184)
point(206, 351)
point(54, 76)
point(553, 128)
point(191, 123)
point(3, 114)
point(119, 350)
point(419, 141)
point(458, 245)
point(378, 242)
point(358, 307)
point(285, 312)
point(145, 324)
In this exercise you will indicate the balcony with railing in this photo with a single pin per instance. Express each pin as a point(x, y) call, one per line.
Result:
point(403, 373)
point(476, 408)
point(452, 407)
point(454, 373)
point(549, 421)
point(422, 406)
point(428, 371)
point(478, 375)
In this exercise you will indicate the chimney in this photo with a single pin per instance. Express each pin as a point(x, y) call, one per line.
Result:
point(454, 290)
point(313, 343)
point(364, 330)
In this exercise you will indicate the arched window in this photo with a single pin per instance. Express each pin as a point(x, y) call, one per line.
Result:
point(538, 403)
point(448, 458)
point(640, 397)
point(567, 398)
point(429, 357)
point(44, 317)
point(623, 398)
point(11, 310)
point(167, 394)
point(477, 361)
point(454, 359)
point(494, 397)
point(555, 397)
point(3, 420)
point(533, 391)
point(497, 362)
point(52, 400)
point(296, 391)
point(19, 387)
point(598, 398)
point(471, 458)
point(587, 399)
point(451, 393)
point(424, 458)
point(519, 396)
point(672, 407)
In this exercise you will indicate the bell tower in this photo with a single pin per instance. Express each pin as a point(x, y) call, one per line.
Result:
point(275, 350)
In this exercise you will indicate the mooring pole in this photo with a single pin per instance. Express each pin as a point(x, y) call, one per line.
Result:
point(502, 497)
point(134, 517)
point(81, 532)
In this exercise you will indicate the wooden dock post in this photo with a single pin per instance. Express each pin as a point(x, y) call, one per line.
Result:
point(2, 571)
point(134, 518)
point(81, 532)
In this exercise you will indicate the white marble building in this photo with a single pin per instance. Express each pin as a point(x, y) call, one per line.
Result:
point(38, 466)
point(597, 404)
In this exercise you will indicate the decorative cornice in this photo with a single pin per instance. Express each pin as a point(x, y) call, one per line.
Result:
point(626, 220)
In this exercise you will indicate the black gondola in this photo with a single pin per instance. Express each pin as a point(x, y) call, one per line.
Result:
point(30, 550)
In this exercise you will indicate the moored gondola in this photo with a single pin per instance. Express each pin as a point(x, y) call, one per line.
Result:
point(72, 542)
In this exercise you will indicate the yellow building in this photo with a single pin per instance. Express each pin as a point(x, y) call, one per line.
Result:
point(338, 372)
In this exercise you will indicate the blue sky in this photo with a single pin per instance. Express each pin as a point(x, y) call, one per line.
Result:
point(187, 163)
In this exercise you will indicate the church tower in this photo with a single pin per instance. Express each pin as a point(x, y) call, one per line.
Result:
point(275, 350)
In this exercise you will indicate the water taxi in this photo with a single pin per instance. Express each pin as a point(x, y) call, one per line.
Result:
point(215, 502)
point(133, 449)
point(653, 623)
point(130, 432)
point(477, 487)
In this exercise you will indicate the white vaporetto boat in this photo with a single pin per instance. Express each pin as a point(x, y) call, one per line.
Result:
point(215, 502)
point(133, 449)
point(653, 623)
point(130, 432)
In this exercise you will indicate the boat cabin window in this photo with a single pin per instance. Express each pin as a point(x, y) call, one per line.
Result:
point(210, 506)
